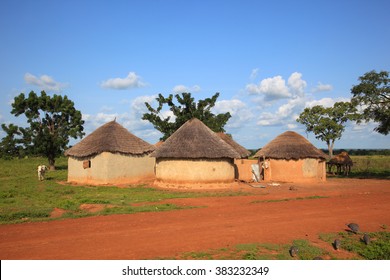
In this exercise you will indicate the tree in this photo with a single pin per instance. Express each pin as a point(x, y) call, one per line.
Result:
point(373, 95)
point(327, 124)
point(185, 110)
point(15, 144)
point(52, 120)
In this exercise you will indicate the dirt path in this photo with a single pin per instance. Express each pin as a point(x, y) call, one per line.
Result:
point(224, 222)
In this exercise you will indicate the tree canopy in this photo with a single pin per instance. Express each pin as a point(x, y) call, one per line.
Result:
point(183, 110)
point(373, 96)
point(52, 121)
point(327, 124)
point(16, 143)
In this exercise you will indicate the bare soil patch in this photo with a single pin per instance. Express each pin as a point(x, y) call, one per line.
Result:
point(275, 214)
point(93, 208)
point(57, 213)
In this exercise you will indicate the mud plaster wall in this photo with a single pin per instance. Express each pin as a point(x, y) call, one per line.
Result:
point(244, 169)
point(295, 170)
point(195, 171)
point(109, 168)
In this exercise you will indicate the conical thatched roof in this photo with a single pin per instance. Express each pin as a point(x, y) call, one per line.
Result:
point(290, 145)
point(195, 140)
point(237, 147)
point(110, 137)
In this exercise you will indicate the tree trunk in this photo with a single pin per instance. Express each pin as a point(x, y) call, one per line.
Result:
point(330, 148)
point(52, 161)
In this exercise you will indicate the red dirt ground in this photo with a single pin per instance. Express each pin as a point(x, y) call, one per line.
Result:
point(224, 222)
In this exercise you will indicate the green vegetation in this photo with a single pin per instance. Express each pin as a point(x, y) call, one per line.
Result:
point(327, 124)
point(373, 96)
point(259, 251)
point(24, 198)
point(371, 166)
point(184, 109)
point(52, 122)
point(378, 249)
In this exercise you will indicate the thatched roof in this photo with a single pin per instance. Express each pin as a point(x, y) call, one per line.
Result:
point(195, 140)
point(110, 137)
point(237, 147)
point(290, 145)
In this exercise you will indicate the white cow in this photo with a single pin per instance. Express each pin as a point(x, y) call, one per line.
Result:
point(41, 172)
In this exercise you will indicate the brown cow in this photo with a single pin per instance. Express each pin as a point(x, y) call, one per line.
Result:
point(343, 163)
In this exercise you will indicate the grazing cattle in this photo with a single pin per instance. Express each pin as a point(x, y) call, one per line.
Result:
point(41, 172)
point(343, 163)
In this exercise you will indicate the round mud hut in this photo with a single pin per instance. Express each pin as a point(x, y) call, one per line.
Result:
point(289, 158)
point(110, 155)
point(194, 154)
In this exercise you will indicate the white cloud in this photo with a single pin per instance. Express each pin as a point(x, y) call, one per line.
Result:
point(276, 88)
point(182, 88)
point(239, 111)
point(322, 87)
point(44, 82)
point(138, 108)
point(131, 81)
point(131, 119)
point(296, 84)
point(292, 126)
point(273, 88)
point(326, 102)
point(138, 103)
point(286, 114)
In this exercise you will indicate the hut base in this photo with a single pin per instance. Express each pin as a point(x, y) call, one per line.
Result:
point(195, 186)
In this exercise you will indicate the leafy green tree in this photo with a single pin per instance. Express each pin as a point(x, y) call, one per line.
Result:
point(185, 109)
point(15, 143)
point(373, 96)
point(52, 120)
point(327, 124)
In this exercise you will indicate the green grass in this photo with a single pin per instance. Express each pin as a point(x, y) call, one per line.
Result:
point(378, 249)
point(371, 167)
point(258, 251)
point(24, 198)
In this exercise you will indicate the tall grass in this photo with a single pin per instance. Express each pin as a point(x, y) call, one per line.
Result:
point(371, 166)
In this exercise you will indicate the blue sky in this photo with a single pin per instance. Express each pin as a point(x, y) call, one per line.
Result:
point(267, 59)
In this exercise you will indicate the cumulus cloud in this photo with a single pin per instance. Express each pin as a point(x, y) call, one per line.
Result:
point(296, 84)
point(322, 87)
point(286, 114)
point(275, 88)
point(325, 102)
point(271, 88)
point(182, 88)
point(138, 108)
point(131, 81)
point(131, 119)
point(138, 103)
point(239, 111)
point(44, 82)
